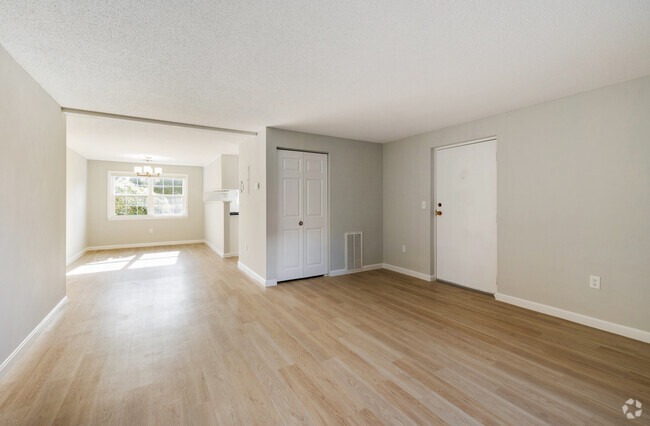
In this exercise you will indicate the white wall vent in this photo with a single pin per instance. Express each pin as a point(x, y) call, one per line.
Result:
point(353, 251)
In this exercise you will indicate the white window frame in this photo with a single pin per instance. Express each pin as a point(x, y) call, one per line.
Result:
point(150, 207)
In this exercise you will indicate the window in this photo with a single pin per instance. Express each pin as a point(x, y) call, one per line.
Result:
point(134, 197)
point(168, 196)
point(130, 196)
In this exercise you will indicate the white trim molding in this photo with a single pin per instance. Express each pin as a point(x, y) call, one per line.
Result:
point(622, 330)
point(75, 257)
point(213, 248)
point(20, 350)
point(110, 201)
point(364, 268)
point(219, 252)
point(152, 244)
point(255, 277)
point(409, 272)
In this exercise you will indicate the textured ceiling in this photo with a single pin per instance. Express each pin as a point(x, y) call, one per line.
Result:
point(98, 138)
point(374, 70)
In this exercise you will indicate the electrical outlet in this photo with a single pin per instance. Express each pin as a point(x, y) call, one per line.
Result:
point(403, 249)
point(245, 246)
point(594, 282)
point(151, 230)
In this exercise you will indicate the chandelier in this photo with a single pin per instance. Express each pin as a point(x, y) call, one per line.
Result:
point(147, 170)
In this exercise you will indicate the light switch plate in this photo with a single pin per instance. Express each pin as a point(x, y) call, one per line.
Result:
point(424, 205)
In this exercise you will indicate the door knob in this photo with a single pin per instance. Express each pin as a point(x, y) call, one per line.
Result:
point(300, 223)
point(438, 212)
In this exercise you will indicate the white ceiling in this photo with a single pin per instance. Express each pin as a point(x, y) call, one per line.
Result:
point(98, 138)
point(374, 70)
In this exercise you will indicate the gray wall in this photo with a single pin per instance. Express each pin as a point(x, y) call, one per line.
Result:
point(104, 232)
point(573, 200)
point(76, 178)
point(252, 204)
point(355, 191)
point(32, 217)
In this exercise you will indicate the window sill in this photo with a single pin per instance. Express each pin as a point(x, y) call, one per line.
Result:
point(119, 218)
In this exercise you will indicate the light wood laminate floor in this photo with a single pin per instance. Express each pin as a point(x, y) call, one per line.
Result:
point(176, 335)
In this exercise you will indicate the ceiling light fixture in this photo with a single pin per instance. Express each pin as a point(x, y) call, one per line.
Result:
point(147, 170)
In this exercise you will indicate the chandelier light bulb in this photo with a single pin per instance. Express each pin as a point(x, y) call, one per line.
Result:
point(147, 170)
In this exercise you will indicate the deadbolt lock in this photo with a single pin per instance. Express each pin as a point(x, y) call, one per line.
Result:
point(300, 223)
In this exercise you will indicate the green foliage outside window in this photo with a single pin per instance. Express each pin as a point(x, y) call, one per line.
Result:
point(131, 196)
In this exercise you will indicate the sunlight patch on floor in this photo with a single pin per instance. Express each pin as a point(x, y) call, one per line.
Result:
point(146, 260)
point(149, 263)
point(93, 268)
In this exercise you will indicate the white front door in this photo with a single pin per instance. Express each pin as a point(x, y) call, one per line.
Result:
point(302, 212)
point(466, 215)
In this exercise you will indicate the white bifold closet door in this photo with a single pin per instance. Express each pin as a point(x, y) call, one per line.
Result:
point(302, 213)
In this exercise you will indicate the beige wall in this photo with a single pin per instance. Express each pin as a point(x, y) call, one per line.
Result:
point(234, 235)
point(214, 230)
point(76, 178)
point(104, 232)
point(220, 174)
point(219, 229)
point(573, 200)
point(213, 212)
point(355, 192)
point(32, 217)
point(252, 204)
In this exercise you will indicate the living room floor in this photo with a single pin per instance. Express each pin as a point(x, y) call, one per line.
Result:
point(176, 334)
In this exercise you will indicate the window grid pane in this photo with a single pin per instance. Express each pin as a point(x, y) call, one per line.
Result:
point(130, 185)
point(131, 195)
point(168, 186)
point(166, 205)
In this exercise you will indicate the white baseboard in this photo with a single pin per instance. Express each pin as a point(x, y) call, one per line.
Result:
point(388, 266)
point(75, 257)
point(219, 252)
point(623, 330)
point(338, 272)
point(214, 248)
point(409, 272)
point(153, 244)
point(20, 350)
point(255, 277)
